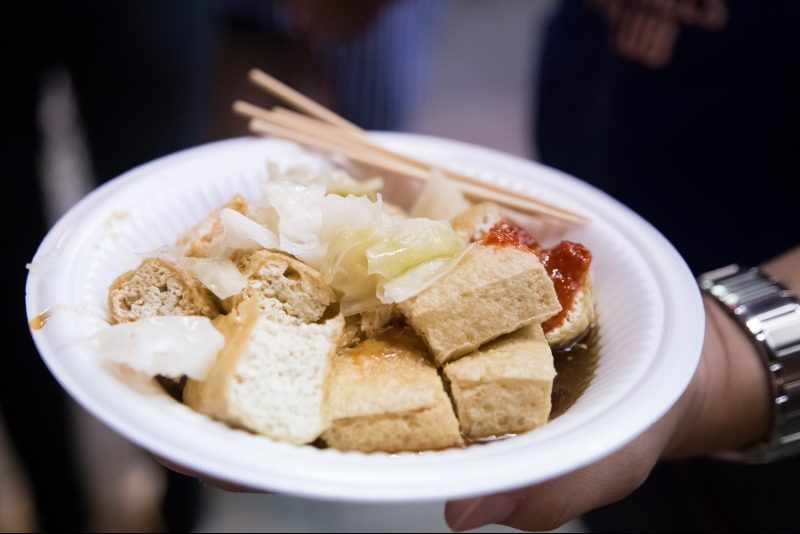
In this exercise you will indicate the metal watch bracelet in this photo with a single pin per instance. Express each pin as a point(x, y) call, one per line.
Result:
point(770, 316)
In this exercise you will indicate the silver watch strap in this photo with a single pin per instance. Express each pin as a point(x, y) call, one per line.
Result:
point(770, 315)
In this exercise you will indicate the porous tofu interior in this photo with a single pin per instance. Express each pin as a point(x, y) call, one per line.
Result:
point(278, 365)
point(285, 288)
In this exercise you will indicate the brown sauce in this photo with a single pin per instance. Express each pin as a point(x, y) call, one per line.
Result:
point(575, 369)
point(390, 344)
point(173, 387)
point(38, 322)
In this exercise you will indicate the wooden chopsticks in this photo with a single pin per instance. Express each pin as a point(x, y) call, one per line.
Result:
point(322, 129)
point(298, 100)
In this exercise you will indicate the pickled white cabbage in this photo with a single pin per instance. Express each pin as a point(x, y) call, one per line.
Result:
point(416, 279)
point(342, 184)
point(240, 232)
point(299, 210)
point(412, 281)
point(411, 242)
point(440, 199)
point(266, 216)
point(362, 251)
point(343, 213)
point(336, 182)
point(167, 346)
point(219, 275)
point(368, 263)
point(345, 269)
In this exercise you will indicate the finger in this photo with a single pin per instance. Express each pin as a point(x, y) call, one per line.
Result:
point(549, 505)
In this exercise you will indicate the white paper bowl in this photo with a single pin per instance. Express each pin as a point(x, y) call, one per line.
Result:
point(648, 304)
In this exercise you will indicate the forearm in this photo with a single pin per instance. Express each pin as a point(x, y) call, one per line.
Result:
point(786, 268)
point(727, 405)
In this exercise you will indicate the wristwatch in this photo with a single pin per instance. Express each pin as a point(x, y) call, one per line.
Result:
point(770, 316)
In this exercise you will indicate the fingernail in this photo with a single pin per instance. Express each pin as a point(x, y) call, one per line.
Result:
point(475, 513)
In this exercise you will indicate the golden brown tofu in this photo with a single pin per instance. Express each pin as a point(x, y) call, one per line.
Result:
point(385, 395)
point(494, 290)
point(504, 387)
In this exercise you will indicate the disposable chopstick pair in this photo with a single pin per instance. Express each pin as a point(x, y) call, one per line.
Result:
point(322, 129)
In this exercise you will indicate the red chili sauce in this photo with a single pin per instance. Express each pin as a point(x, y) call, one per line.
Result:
point(567, 263)
point(508, 234)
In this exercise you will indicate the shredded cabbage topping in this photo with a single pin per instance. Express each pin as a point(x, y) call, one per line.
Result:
point(339, 226)
point(416, 279)
point(166, 346)
point(440, 199)
point(218, 274)
point(356, 245)
point(346, 269)
point(240, 232)
point(336, 182)
point(407, 243)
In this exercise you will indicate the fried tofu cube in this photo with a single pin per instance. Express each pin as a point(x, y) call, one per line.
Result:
point(505, 386)
point(386, 395)
point(493, 290)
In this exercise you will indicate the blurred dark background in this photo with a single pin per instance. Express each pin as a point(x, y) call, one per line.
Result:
point(683, 109)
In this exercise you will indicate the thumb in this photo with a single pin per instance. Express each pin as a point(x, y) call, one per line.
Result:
point(549, 505)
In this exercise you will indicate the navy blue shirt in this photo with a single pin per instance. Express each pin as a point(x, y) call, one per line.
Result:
point(705, 148)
